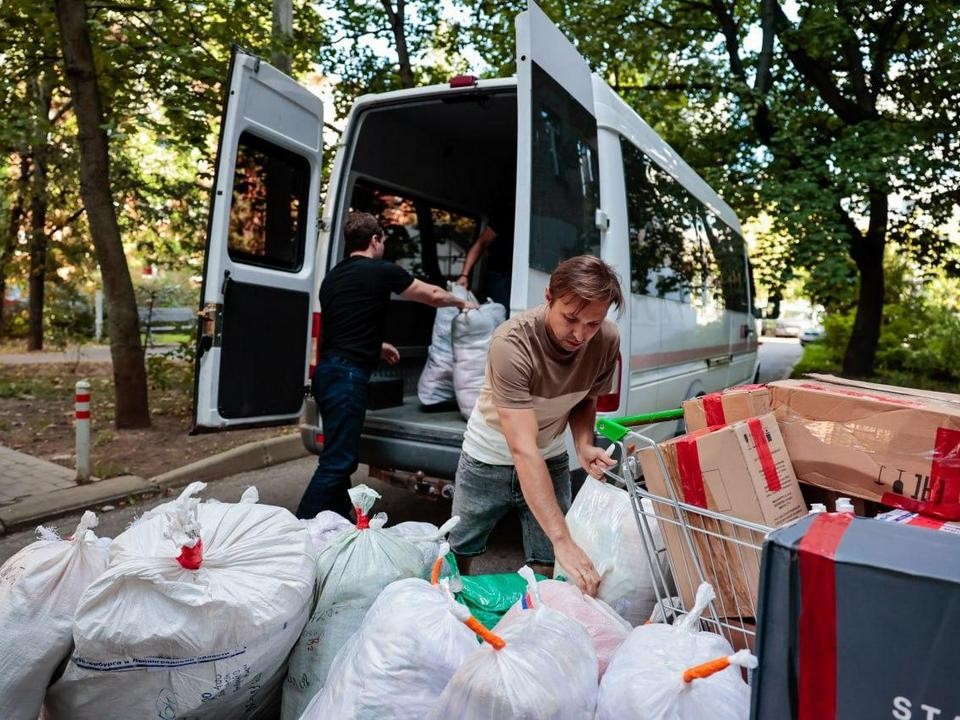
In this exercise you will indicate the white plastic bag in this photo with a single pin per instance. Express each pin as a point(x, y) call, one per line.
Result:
point(352, 570)
point(601, 522)
point(194, 616)
point(545, 669)
point(607, 630)
point(40, 587)
point(426, 536)
point(676, 672)
point(436, 380)
point(472, 331)
point(324, 527)
point(411, 642)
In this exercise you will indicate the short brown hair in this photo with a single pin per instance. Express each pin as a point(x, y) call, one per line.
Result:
point(359, 230)
point(588, 278)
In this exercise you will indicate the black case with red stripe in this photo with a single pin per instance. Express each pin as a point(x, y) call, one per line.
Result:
point(858, 619)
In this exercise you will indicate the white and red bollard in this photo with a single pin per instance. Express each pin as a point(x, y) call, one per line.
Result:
point(82, 425)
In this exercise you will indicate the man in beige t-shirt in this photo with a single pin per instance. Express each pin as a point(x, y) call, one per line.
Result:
point(545, 369)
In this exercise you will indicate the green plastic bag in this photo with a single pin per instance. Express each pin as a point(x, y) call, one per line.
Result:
point(488, 597)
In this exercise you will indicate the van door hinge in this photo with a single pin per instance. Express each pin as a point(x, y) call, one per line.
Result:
point(602, 221)
point(211, 327)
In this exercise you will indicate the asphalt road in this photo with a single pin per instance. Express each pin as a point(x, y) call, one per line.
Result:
point(283, 484)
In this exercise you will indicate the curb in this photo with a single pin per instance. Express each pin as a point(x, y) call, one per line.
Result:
point(33, 511)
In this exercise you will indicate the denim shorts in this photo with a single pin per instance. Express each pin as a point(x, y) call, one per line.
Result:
point(485, 493)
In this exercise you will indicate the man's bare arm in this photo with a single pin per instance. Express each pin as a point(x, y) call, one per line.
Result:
point(520, 430)
point(434, 296)
point(583, 417)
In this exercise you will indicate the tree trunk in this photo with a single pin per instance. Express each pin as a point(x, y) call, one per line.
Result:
point(13, 230)
point(282, 34)
point(38, 254)
point(400, 40)
point(129, 372)
point(862, 347)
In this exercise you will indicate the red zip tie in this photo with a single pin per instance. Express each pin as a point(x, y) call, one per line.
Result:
point(191, 557)
point(817, 682)
point(764, 455)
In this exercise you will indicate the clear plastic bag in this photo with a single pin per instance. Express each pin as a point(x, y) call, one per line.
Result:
point(607, 630)
point(426, 536)
point(544, 669)
point(194, 616)
point(40, 588)
point(352, 570)
point(472, 331)
point(601, 522)
point(436, 380)
point(676, 672)
point(396, 665)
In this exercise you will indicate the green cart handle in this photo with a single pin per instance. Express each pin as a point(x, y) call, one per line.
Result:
point(615, 429)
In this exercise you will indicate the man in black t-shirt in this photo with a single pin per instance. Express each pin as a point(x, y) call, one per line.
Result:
point(498, 248)
point(353, 300)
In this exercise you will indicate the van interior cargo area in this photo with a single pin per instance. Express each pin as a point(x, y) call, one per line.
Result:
point(433, 171)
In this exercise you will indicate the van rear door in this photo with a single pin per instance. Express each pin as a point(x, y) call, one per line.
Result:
point(558, 179)
point(254, 329)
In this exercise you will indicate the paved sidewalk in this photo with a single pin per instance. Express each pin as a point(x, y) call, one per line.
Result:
point(86, 353)
point(23, 475)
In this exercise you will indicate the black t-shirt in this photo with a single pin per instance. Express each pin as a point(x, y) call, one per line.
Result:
point(353, 301)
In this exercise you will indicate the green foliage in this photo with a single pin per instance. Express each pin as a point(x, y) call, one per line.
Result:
point(68, 315)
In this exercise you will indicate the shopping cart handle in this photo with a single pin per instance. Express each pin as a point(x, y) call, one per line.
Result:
point(615, 429)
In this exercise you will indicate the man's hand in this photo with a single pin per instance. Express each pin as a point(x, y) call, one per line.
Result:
point(467, 305)
point(463, 281)
point(389, 354)
point(577, 565)
point(594, 461)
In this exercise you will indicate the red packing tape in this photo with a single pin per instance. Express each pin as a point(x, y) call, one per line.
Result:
point(713, 409)
point(190, 558)
point(940, 511)
point(764, 455)
point(363, 522)
point(691, 476)
point(945, 469)
point(818, 616)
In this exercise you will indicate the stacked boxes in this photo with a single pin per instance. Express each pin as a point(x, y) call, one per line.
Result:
point(740, 470)
point(727, 406)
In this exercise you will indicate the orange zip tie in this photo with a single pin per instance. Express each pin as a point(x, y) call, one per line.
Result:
point(497, 642)
point(705, 670)
point(435, 573)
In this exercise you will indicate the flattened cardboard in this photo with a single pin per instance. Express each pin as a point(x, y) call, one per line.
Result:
point(733, 404)
point(864, 443)
point(735, 484)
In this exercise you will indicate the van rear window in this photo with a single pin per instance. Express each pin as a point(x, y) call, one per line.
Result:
point(268, 205)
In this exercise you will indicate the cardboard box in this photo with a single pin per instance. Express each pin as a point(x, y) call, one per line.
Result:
point(740, 470)
point(895, 389)
point(865, 442)
point(856, 620)
point(905, 517)
point(727, 406)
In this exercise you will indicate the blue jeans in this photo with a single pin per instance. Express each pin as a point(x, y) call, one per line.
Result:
point(340, 389)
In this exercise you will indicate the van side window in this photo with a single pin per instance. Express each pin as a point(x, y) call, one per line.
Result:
point(679, 249)
point(268, 205)
point(565, 186)
point(428, 241)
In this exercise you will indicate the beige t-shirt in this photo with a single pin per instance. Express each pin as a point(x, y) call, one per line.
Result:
point(526, 369)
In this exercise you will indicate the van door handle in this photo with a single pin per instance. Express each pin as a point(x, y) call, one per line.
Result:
point(719, 360)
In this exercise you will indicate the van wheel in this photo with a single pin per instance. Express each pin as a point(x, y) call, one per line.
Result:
point(756, 375)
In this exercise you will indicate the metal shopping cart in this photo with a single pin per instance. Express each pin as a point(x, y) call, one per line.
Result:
point(687, 544)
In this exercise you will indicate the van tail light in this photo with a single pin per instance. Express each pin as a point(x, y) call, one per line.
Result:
point(315, 326)
point(611, 401)
point(459, 81)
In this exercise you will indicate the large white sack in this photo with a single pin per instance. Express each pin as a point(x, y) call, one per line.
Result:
point(601, 522)
point(436, 380)
point(156, 639)
point(324, 527)
point(472, 331)
point(426, 536)
point(606, 629)
point(546, 670)
point(352, 570)
point(645, 679)
point(40, 587)
point(396, 665)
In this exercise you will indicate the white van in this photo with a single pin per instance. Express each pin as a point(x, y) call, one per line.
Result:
point(553, 159)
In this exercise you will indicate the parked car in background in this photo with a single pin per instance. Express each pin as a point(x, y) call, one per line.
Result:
point(790, 323)
point(811, 333)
